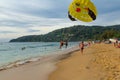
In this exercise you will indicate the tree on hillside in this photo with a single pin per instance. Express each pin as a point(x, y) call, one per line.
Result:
point(109, 34)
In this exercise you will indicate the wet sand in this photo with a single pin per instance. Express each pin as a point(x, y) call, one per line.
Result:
point(99, 62)
point(32, 69)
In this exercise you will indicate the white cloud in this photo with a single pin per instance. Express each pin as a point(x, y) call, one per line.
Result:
point(14, 29)
point(14, 4)
point(30, 17)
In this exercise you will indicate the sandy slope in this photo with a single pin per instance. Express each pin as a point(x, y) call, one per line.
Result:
point(99, 62)
point(32, 71)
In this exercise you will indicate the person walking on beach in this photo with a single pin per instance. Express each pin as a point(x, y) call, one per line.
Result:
point(81, 45)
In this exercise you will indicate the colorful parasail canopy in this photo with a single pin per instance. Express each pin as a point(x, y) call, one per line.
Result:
point(83, 10)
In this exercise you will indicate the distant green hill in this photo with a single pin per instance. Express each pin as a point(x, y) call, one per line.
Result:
point(74, 33)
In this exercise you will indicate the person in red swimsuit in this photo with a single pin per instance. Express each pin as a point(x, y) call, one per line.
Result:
point(61, 43)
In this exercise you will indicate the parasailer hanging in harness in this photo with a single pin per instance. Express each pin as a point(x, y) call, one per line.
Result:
point(83, 10)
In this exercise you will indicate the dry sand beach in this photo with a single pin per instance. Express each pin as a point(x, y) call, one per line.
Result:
point(99, 62)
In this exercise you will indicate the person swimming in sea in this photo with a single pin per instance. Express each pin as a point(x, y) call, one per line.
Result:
point(23, 48)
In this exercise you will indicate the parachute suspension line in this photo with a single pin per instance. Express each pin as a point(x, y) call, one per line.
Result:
point(75, 34)
point(68, 37)
point(64, 35)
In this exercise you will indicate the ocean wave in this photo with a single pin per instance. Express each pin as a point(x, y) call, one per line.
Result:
point(47, 45)
point(18, 63)
point(4, 49)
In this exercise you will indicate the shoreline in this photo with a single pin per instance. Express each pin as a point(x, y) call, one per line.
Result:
point(12, 53)
point(35, 59)
point(44, 63)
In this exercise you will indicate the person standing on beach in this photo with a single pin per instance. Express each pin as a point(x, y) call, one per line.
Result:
point(81, 45)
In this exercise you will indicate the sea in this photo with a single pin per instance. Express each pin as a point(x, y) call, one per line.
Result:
point(20, 51)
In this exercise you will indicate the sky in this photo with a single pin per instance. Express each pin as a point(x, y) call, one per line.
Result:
point(35, 17)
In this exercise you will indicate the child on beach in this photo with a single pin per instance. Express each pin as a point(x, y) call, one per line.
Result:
point(81, 45)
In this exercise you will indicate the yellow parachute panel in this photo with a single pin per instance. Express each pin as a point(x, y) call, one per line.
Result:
point(83, 10)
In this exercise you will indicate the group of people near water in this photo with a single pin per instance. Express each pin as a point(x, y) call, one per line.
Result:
point(81, 45)
point(62, 43)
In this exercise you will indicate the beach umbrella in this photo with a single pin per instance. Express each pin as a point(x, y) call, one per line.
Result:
point(83, 10)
